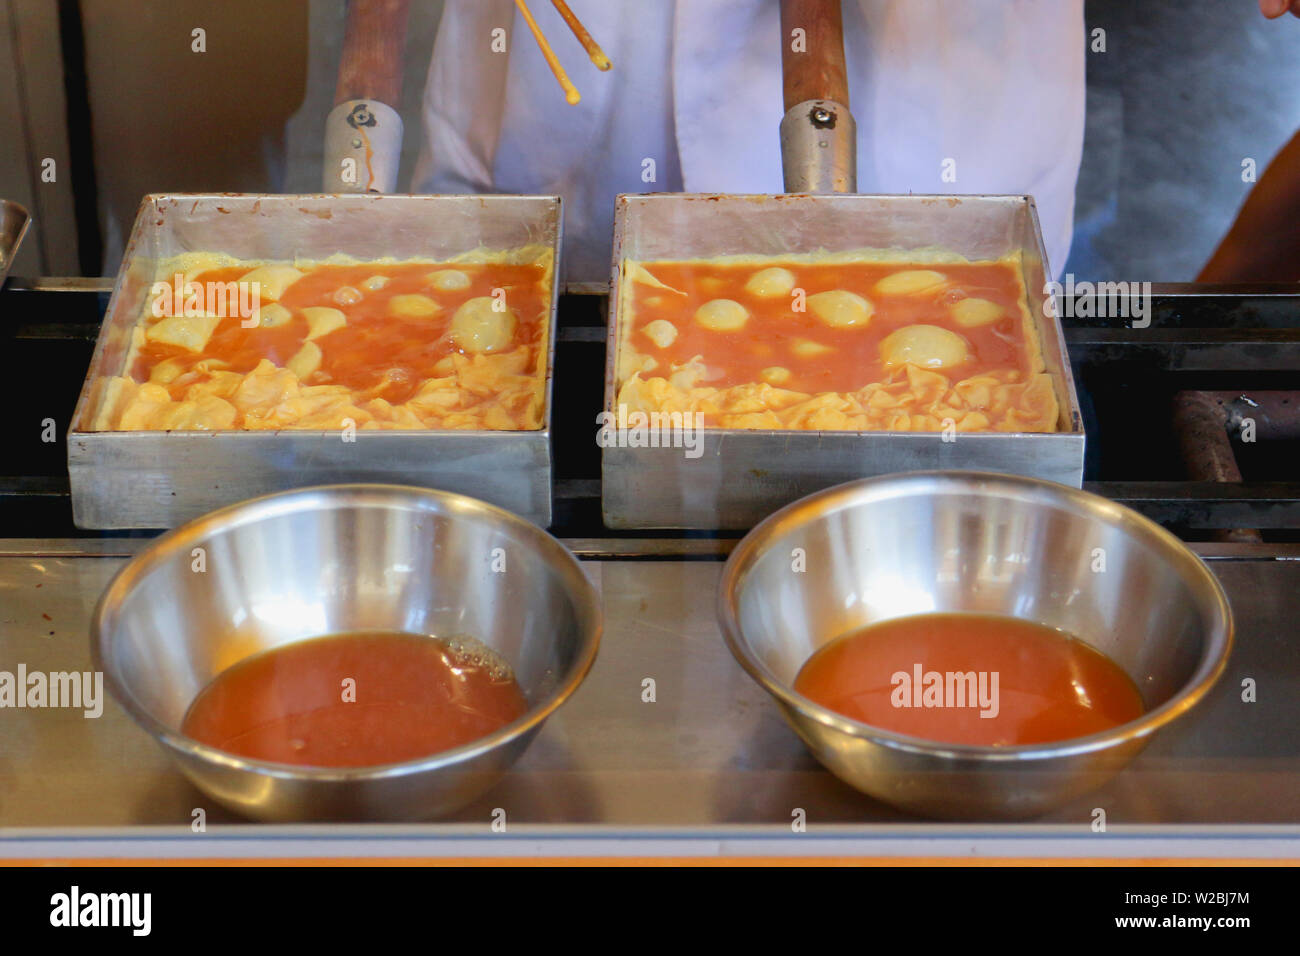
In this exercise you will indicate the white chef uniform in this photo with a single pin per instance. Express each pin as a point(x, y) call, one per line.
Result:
point(991, 91)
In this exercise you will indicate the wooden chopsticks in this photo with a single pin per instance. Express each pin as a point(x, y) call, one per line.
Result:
point(598, 57)
point(591, 46)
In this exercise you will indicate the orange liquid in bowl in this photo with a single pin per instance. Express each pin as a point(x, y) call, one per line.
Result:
point(970, 679)
point(355, 700)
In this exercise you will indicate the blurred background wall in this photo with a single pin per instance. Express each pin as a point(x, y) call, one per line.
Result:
point(33, 134)
point(246, 115)
point(168, 119)
point(1184, 92)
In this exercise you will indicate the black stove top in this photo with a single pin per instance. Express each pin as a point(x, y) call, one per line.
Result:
point(1193, 420)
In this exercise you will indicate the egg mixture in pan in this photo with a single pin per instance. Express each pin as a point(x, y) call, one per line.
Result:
point(863, 341)
point(378, 344)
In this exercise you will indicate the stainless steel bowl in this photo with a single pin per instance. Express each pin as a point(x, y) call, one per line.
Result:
point(966, 541)
point(297, 565)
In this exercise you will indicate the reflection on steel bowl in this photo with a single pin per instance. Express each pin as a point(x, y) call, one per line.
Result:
point(290, 567)
point(969, 542)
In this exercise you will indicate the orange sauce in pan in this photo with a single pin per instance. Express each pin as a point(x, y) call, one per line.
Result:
point(1035, 683)
point(382, 355)
point(737, 358)
point(355, 700)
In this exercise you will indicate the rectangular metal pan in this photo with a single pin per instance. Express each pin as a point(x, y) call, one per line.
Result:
point(14, 220)
point(160, 479)
point(743, 475)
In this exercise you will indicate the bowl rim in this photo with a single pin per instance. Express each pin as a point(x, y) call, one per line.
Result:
point(585, 598)
point(1209, 668)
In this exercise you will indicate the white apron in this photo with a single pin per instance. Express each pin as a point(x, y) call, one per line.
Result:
point(994, 86)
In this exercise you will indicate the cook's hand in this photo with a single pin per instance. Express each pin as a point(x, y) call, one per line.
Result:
point(1275, 8)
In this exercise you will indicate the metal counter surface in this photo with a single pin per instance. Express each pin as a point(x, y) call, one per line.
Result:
point(707, 768)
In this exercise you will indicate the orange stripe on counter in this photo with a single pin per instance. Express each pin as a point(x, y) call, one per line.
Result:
point(786, 861)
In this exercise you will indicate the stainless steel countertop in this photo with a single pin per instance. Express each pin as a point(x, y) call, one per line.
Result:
point(709, 768)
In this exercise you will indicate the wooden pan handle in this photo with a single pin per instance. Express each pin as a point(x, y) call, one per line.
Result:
point(818, 134)
point(817, 73)
point(363, 133)
point(371, 64)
